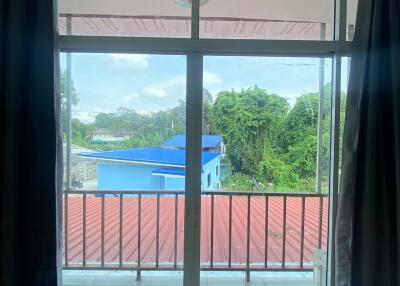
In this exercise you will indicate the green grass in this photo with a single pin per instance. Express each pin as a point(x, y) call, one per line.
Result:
point(243, 183)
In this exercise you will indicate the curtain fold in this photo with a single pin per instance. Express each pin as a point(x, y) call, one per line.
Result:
point(368, 222)
point(29, 241)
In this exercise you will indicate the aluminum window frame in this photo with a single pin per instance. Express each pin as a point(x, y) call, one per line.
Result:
point(195, 49)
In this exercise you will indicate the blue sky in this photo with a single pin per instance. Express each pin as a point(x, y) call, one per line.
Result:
point(147, 83)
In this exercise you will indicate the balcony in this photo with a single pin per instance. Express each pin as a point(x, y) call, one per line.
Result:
point(263, 235)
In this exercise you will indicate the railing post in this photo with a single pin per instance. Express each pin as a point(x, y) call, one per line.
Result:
point(321, 206)
point(303, 204)
point(84, 230)
point(139, 206)
point(121, 215)
point(176, 231)
point(230, 231)
point(212, 233)
point(66, 229)
point(158, 230)
point(248, 240)
point(102, 228)
point(284, 232)
point(266, 232)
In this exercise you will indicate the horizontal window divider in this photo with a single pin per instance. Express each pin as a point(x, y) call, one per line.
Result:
point(239, 47)
point(204, 193)
point(232, 269)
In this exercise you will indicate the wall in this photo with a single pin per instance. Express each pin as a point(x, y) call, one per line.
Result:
point(112, 176)
point(210, 168)
point(174, 184)
point(109, 138)
point(83, 170)
point(127, 177)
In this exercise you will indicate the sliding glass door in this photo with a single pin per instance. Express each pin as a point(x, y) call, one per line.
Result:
point(183, 163)
point(201, 137)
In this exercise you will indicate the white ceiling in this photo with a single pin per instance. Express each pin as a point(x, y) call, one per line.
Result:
point(234, 19)
point(289, 10)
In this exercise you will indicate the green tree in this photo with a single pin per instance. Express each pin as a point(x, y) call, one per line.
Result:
point(273, 169)
point(63, 99)
point(147, 129)
point(298, 137)
point(208, 102)
point(247, 120)
point(80, 132)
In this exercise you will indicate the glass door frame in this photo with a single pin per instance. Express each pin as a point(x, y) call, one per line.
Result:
point(195, 49)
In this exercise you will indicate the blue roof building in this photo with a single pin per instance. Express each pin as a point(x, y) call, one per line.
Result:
point(160, 168)
point(209, 143)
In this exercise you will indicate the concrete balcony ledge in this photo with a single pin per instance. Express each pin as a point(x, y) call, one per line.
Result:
point(166, 278)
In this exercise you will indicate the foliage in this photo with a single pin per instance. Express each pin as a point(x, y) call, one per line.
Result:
point(247, 120)
point(266, 140)
point(299, 135)
point(273, 170)
point(141, 141)
point(306, 186)
point(165, 123)
point(80, 132)
point(302, 156)
point(208, 102)
point(63, 98)
point(237, 182)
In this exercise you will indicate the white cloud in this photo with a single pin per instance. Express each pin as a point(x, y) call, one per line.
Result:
point(99, 110)
point(84, 116)
point(90, 115)
point(211, 78)
point(154, 91)
point(130, 98)
point(160, 90)
point(131, 61)
point(177, 81)
point(143, 112)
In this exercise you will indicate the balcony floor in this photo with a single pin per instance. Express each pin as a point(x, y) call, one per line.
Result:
point(158, 278)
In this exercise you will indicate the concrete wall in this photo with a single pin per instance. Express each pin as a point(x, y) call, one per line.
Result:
point(127, 177)
point(210, 168)
point(109, 138)
point(174, 184)
point(119, 176)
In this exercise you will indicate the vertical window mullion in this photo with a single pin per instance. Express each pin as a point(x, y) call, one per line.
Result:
point(340, 20)
point(194, 105)
point(343, 20)
point(339, 11)
point(334, 166)
point(195, 19)
point(68, 102)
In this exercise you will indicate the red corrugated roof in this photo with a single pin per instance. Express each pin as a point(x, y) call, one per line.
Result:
point(221, 217)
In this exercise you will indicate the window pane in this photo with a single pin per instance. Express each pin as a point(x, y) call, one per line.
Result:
point(266, 19)
point(266, 125)
point(346, 62)
point(150, 18)
point(128, 123)
point(351, 18)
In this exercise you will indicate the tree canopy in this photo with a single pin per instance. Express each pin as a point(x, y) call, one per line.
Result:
point(266, 139)
point(247, 120)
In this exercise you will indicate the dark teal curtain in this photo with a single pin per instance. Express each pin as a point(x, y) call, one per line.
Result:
point(28, 139)
point(368, 222)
